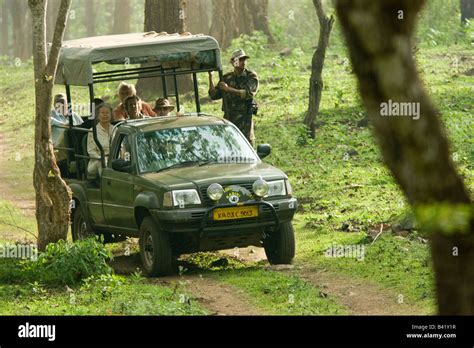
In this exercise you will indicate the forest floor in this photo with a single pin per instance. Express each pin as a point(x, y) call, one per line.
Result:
point(346, 196)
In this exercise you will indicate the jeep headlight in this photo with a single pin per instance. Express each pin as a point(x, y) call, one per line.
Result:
point(215, 191)
point(276, 188)
point(181, 198)
point(260, 188)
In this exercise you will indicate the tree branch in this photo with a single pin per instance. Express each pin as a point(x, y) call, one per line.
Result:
point(37, 8)
point(58, 37)
point(20, 228)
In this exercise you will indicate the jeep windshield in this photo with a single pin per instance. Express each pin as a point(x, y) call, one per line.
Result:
point(196, 145)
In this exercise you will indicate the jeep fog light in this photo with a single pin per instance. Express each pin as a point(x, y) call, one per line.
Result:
point(215, 191)
point(260, 188)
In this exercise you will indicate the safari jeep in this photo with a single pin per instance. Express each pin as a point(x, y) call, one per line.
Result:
point(181, 184)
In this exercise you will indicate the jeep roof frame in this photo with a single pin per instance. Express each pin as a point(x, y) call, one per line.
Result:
point(174, 54)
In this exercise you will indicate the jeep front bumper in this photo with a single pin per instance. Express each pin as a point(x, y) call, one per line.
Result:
point(199, 220)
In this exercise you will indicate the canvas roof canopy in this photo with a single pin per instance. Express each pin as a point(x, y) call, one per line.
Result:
point(77, 57)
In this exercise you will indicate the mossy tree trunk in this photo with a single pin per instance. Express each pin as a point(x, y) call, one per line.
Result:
point(378, 34)
point(53, 196)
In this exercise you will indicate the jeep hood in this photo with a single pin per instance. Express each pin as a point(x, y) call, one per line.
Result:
point(225, 174)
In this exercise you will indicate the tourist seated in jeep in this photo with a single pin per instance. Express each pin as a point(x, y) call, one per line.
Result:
point(126, 90)
point(104, 132)
point(132, 108)
point(59, 111)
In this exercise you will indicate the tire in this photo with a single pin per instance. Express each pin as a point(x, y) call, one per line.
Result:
point(279, 245)
point(155, 249)
point(80, 228)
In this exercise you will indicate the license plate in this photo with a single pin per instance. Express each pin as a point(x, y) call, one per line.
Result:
point(236, 213)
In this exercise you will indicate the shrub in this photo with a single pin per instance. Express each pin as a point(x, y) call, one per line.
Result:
point(103, 285)
point(65, 263)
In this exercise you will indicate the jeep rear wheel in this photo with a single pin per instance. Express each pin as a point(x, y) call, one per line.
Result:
point(279, 245)
point(80, 229)
point(155, 249)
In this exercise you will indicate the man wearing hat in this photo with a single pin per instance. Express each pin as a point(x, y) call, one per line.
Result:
point(163, 107)
point(237, 90)
point(60, 111)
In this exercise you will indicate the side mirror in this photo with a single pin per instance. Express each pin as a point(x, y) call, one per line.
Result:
point(263, 150)
point(121, 165)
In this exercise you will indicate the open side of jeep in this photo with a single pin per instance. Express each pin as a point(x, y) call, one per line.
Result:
point(180, 184)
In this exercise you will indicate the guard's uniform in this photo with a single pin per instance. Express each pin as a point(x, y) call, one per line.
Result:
point(236, 108)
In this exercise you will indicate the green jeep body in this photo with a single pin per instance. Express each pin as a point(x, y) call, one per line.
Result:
point(155, 186)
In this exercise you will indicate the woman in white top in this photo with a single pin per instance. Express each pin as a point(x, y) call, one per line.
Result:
point(104, 133)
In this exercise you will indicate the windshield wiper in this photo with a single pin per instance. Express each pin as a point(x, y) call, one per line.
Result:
point(203, 163)
point(180, 164)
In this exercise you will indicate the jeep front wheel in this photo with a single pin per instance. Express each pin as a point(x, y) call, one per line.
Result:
point(279, 245)
point(155, 249)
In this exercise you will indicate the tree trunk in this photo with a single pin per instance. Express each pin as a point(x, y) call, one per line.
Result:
point(224, 25)
point(164, 16)
point(89, 17)
point(467, 10)
point(416, 150)
point(244, 17)
point(316, 80)
point(53, 196)
point(260, 18)
point(198, 16)
point(22, 42)
point(5, 20)
point(232, 18)
point(122, 11)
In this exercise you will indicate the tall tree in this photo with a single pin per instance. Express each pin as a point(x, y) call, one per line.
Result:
point(198, 16)
point(316, 79)
point(378, 34)
point(254, 16)
point(224, 25)
point(467, 10)
point(52, 193)
point(232, 18)
point(5, 21)
point(122, 12)
point(22, 47)
point(164, 16)
point(89, 17)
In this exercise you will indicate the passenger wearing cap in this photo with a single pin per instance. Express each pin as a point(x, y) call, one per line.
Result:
point(163, 107)
point(237, 89)
point(59, 112)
